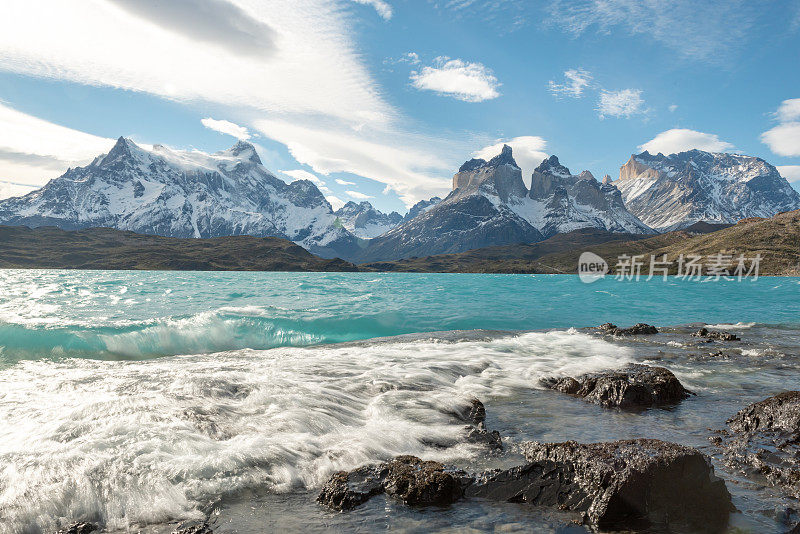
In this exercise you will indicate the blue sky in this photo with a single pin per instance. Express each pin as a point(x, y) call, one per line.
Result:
point(384, 99)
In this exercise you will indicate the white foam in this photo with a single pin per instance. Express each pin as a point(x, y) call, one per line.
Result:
point(146, 441)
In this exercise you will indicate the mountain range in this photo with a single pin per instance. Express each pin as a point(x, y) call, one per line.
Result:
point(675, 191)
point(190, 194)
point(175, 193)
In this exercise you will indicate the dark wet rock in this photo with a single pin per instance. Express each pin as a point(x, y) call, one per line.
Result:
point(625, 484)
point(193, 527)
point(635, 386)
point(765, 440)
point(346, 490)
point(474, 413)
point(84, 527)
point(407, 478)
point(418, 482)
point(715, 335)
point(638, 483)
point(639, 329)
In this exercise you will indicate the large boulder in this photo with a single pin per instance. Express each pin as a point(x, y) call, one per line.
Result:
point(618, 485)
point(638, 483)
point(765, 438)
point(635, 386)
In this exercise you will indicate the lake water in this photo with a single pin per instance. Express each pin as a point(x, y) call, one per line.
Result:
point(139, 399)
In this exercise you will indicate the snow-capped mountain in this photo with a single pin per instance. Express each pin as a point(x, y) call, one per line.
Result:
point(490, 205)
point(184, 194)
point(421, 207)
point(561, 202)
point(364, 221)
point(675, 191)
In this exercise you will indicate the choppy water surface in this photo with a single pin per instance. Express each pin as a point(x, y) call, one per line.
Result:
point(138, 399)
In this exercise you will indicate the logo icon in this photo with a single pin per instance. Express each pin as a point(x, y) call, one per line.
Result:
point(591, 267)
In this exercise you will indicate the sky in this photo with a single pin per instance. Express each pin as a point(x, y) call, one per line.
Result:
point(382, 100)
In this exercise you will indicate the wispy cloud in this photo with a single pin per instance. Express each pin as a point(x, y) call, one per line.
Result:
point(226, 127)
point(624, 103)
point(528, 152)
point(681, 140)
point(33, 151)
point(163, 48)
point(383, 9)
point(701, 30)
point(505, 16)
point(408, 163)
point(344, 182)
point(784, 139)
point(577, 80)
point(219, 22)
point(358, 196)
point(470, 82)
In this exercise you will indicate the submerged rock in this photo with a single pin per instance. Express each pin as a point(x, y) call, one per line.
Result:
point(618, 485)
point(635, 386)
point(474, 414)
point(716, 335)
point(84, 527)
point(765, 438)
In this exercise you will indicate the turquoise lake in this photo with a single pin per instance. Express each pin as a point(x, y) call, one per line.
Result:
point(138, 400)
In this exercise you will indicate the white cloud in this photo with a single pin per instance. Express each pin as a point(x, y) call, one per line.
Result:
point(335, 202)
point(790, 172)
point(576, 81)
point(470, 82)
point(344, 182)
point(673, 107)
point(384, 9)
point(528, 152)
point(407, 163)
point(624, 103)
point(681, 140)
point(789, 110)
point(33, 151)
point(309, 65)
point(783, 139)
point(226, 127)
point(705, 30)
point(358, 196)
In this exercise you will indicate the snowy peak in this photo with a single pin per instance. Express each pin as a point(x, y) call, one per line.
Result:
point(561, 202)
point(364, 221)
point(243, 150)
point(677, 190)
point(181, 193)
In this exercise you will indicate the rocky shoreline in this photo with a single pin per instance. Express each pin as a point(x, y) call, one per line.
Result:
point(630, 484)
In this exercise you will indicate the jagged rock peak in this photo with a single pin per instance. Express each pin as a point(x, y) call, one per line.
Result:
point(243, 149)
point(552, 166)
point(505, 157)
point(586, 175)
point(471, 165)
point(607, 179)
